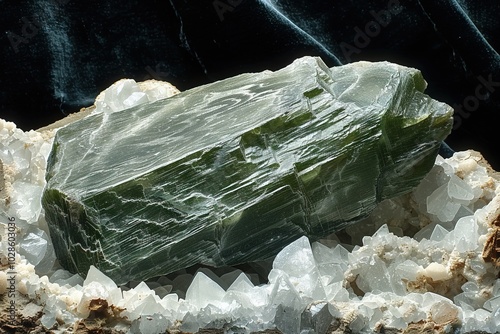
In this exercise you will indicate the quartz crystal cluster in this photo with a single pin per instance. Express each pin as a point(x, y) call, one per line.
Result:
point(235, 170)
point(127, 93)
point(423, 261)
point(23, 157)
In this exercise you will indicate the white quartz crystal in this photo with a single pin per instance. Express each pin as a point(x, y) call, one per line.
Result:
point(204, 291)
point(437, 272)
point(126, 93)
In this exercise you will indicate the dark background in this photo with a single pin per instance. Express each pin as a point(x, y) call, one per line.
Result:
point(57, 55)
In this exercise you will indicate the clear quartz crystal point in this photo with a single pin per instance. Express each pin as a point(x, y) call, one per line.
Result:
point(204, 291)
point(33, 247)
point(235, 170)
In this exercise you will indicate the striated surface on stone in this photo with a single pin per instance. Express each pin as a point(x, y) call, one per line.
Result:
point(235, 170)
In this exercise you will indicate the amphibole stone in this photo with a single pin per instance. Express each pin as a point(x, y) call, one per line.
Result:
point(235, 170)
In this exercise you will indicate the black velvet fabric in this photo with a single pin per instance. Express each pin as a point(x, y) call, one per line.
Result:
point(57, 55)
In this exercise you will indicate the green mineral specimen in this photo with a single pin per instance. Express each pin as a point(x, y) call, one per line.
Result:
point(235, 170)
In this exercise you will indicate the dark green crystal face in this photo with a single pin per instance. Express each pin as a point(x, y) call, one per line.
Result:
point(235, 170)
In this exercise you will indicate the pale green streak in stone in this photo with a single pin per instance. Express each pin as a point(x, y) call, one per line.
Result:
point(235, 170)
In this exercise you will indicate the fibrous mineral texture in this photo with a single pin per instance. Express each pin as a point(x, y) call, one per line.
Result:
point(235, 170)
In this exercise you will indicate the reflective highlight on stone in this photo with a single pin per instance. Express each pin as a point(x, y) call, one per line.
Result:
point(235, 170)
